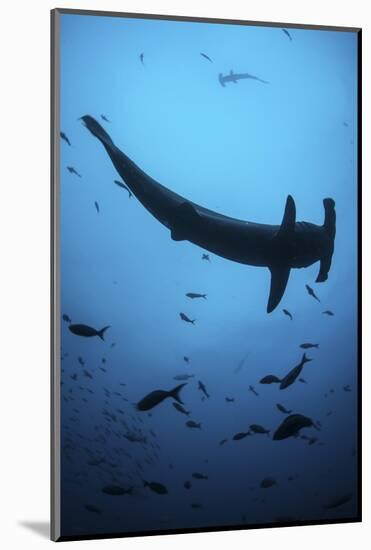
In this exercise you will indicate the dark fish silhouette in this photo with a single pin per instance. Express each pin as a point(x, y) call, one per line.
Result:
point(339, 501)
point(72, 170)
point(65, 138)
point(303, 381)
point(206, 57)
point(223, 441)
point(193, 295)
point(66, 318)
point(270, 379)
point(205, 257)
point(103, 117)
point(286, 312)
point(312, 293)
point(187, 485)
point(283, 409)
point(268, 482)
point(240, 364)
point(184, 317)
point(116, 490)
point(251, 388)
point(291, 426)
point(186, 359)
point(229, 399)
point(141, 57)
point(279, 248)
point(181, 409)
point(240, 435)
point(294, 373)
point(257, 429)
point(96, 206)
point(328, 312)
point(235, 77)
point(92, 508)
point(347, 388)
point(156, 487)
point(123, 186)
point(81, 361)
point(158, 396)
point(287, 33)
point(202, 387)
point(197, 475)
point(182, 377)
point(308, 346)
point(87, 332)
point(193, 424)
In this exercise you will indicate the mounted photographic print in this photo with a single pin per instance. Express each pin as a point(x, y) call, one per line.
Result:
point(205, 275)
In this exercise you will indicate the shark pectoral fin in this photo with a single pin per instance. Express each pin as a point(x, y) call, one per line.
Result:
point(279, 278)
point(184, 219)
point(289, 218)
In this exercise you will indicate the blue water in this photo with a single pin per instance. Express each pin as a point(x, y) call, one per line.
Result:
point(239, 150)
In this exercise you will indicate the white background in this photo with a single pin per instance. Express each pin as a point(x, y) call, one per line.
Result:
point(24, 273)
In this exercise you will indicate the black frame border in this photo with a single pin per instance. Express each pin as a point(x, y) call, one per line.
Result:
point(55, 497)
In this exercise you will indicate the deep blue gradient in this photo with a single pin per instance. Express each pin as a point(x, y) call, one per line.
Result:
point(239, 150)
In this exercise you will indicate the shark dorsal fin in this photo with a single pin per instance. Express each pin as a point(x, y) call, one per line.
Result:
point(289, 218)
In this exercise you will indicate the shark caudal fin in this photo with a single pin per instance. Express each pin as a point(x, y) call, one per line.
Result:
point(280, 271)
point(329, 227)
point(97, 130)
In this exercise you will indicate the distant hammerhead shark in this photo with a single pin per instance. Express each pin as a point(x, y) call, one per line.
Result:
point(278, 247)
point(235, 77)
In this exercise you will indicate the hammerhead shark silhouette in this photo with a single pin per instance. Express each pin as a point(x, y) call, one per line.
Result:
point(278, 247)
point(235, 77)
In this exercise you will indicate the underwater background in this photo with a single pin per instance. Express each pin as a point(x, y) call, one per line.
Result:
point(239, 149)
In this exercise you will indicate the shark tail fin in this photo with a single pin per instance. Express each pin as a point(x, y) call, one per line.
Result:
point(175, 393)
point(280, 272)
point(102, 331)
point(329, 227)
point(97, 130)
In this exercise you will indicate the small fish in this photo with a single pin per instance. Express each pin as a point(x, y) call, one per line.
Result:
point(81, 361)
point(270, 379)
point(347, 388)
point(268, 482)
point(181, 409)
point(312, 293)
point(286, 312)
point(202, 388)
point(103, 117)
point(87, 331)
point(183, 376)
point(65, 138)
point(205, 257)
point(307, 345)
point(223, 441)
point(194, 295)
point(291, 426)
point(287, 33)
point(141, 57)
point(294, 373)
point(206, 57)
point(66, 318)
point(229, 399)
point(328, 312)
point(96, 206)
point(123, 186)
point(257, 429)
point(251, 388)
point(283, 409)
point(303, 381)
point(193, 424)
point(92, 508)
point(197, 475)
point(240, 364)
point(184, 317)
point(158, 396)
point(186, 359)
point(74, 376)
point(240, 435)
point(339, 501)
point(116, 490)
point(156, 487)
point(72, 170)
point(187, 485)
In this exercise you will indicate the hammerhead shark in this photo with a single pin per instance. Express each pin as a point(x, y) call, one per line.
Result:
point(278, 247)
point(235, 77)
